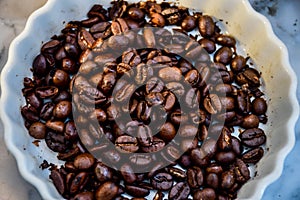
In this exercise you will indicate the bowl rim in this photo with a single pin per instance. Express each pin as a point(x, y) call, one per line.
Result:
point(42, 186)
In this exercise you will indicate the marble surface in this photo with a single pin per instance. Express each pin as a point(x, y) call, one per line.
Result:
point(284, 16)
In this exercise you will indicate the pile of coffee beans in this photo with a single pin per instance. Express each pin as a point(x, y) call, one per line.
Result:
point(143, 101)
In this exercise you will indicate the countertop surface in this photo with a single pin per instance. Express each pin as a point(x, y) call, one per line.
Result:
point(284, 16)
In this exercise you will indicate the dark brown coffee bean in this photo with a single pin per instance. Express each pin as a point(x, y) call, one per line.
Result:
point(39, 66)
point(212, 180)
point(143, 111)
point(57, 126)
point(237, 147)
point(253, 137)
point(62, 110)
point(37, 130)
point(124, 93)
point(136, 13)
point(208, 45)
point(188, 131)
point(162, 181)
point(78, 183)
point(149, 38)
point(192, 98)
point(128, 173)
point(58, 181)
point(199, 157)
point(212, 104)
point(140, 160)
point(154, 98)
point(259, 106)
point(214, 168)
point(127, 143)
point(195, 177)
point(177, 117)
point(227, 179)
point(85, 39)
point(167, 131)
point(243, 102)
point(253, 156)
point(250, 121)
point(225, 157)
point(62, 96)
point(206, 26)
point(180, 190)
point(46, 91)
point(154, 85)
point(192, 77)
point(136, 191)
point(118, 42)
point(188, 23)
point(50, 47)
point(238, 63)
point(157, 20)
point(225, 141)
point(84, 196)
point(169, 100)
point(46, 111)
point(169, 74)
point(158, 196)
point(225, 40)
point(156, 145)
point(107, 190)
point(249, 76)
point(61, 78)
point(223, 55)
point(84, 161)
point(102, 172)
point(205, 194)
point(241, 171)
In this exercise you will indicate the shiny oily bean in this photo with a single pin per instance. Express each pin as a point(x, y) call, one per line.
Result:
point(212, 180)
point(79, 182)
point(238, 63)
point(206, 193)
point(253, 137)
point(180, 190)
point(137, 191)
point(37, 130)
point(225, 157)
point(162, 181)
point(62, 109)
point(84, 161)
point(107, 190)
point(188, 23)
point(227, 179)
point(253, 155)
point(206, 26)
point(127, 143)
point(212, 104)
point(241, 171)
point(250, 121)
point(102, 172)
point(225, 40)
point(208, 45)
point(61, 78)
point(157, 20)
point(223, 55)
point(58, 181)
point(259, 106)
point(195, 177)
point(167, 131)
point(136, 13)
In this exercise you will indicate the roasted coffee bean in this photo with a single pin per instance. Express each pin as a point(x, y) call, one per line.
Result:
point(253, 156)
point(188, 131)
point(37, 130)
point(107, 190)
point(188, 23)
point(128, 174)
point(192, 98)
point(162, 181)
point(237, 147)
point(58, 181)
point(199, 157)
point(127, 143)
point(250, 121)
point(243, 102)
point(206, 26)
point(177, 173)
point(238, 63)
point(214, 168)
point(192, 77)
point(170, 74)
point(212, 104)
point(158, 196)
point(212, 180)
point(57, 126)
point(241, 171)
point(176, 88)
point(84, 161)
point(225, 40)
point(177, 117)
point(227, 179)
point(78, 183)
point(46, 111)
point(61, 78)
point(205, 194)
point(225, 141)
point(169, 100)
point(156, 145)
point(208, 45)
point(85, 39)
point(62, 96)
point(136, 13)
point(84, 196)
point(225, 157)
point(124, 93)
point(154, 85)
point(249, 76)
point(39, 66)
point(102, 172)
point(62, 109)
point(140, 160)
point(46, 91)
point(167, 131)
point(50, 47)
point(259, 106)
point(195, 177)
point(149, 38)
point(180, 190)
point(136, 191)
point(253, 137)
point(223, 55)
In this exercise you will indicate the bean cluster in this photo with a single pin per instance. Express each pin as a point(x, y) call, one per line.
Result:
point(188, 82)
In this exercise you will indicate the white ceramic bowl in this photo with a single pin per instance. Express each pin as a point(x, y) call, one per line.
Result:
point(255, 36)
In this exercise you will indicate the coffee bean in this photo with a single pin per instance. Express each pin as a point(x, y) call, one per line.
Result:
point(236, 145)
point(136, 191)
point(180, 190)
point(249, 76)
point(127, 143)
point(84, 161)
point(108, 190)
point(238, 63)
point(259, 106)
point(162, 181)
point(253, 156)
point(103, 173)
point(154, 85)
point(140, 160)
point(167, 131)
point(79, 181)
point(225, 157)
point(212, 104)
point(136, 13)
point(225, 141)
point(188, 23)
point(37, 130)
point(156, 145)
point(241, 171)
point(58, 181)
point(227, 179)
point(223, 55)
point(62, 110)
point(206, 26)
point(205, 194)
point(84, 196)
point(208, 45)
point(253, 137)
point(39, 66)
point(199, 157)
point(212, 180)
point(176, 88)
point(195, 177)
point(128, 174)
point(225, 40)
point(250, 121)
point(169, 74)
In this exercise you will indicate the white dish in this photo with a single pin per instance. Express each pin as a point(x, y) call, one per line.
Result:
point(252, 30)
